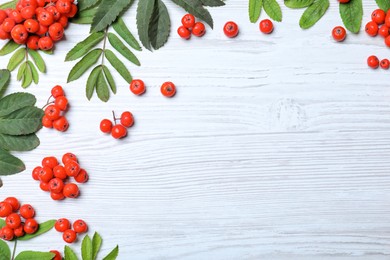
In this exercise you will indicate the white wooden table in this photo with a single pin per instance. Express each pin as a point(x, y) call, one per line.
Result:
point(275, 147)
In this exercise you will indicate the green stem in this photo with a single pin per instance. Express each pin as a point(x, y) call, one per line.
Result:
point(13, 253)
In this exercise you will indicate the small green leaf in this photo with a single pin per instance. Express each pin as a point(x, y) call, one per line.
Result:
point(37, 58)
point(16, 59)
point(21, 70)
point(295, 4)
point(34, 255)
point(213, 3)
point(383, 4)
point(42, 229)
point(102, 88)
point(82, 5)
point(9, 164)
point(4, 80)
point(15, 101)
point(34, 72)
point(352, 14)
point(2, 223)
point(18, 142)
point(109, 79)
point(113, 254)
point(27, 77)
point(69, 254)
point(313, 13)
point(118, 65)
point(24, 121)
point(272, 8)
point(84, 64)
point(255, 10)
point(84, 16)
point(96, 244)
point(122, 49)
point(9, 47)
point(11, 4)
point(196, 8)
point(160, 25)
point(84, 46)
point(91, 82)
point(121, 28)
point(144, 15)
point(86, 248)
point(5, 252)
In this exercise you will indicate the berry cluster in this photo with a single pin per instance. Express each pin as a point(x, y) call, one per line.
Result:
point(373, 62)
point(36, 23)
point(189, 25)
point(68, 234)
point(137, 86)
point(19, 219)
point(54, 112)
point(117, 131)
point(379, 25)
point(53, 176)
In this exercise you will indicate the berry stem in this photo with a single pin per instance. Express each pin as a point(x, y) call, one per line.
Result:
point(14, 251)
point(113, 115)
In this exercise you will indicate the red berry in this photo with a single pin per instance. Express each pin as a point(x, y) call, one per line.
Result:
point(339, 33)
point(57, 91)
point(69, 157)
point(69, 236)
point(53, 10)
point(45, 174)
point(53, 112)
point(80, 226)
point(82, 176)
point(27, 211)
point(3, 15)
point(35, 173)
point(384, 31)
point(385, 64)
point(56, 185)
point(62, 224)
point(19, 232)
point(373, 62)
point(106, 126)
point(199, 29)
point(372, 28)
point(230, 29)
point(73, 11)
point(59, 172)
point(8, 24)
point(71, 190)
point(27, 12)
point(7, 233)
point(32, 42)
point(44, 186)
point(183, 32)
point(50, 162)
point(31, 25)
point(61, 124)
point(47, 122)
point(61, 102)
point(57, 196)
point(64, 6)
point(266, 26)
point(45, 18)
point(56, 31)
point(19, 34)
point(45, 43)
point(168, 89)
point(30, 226)
point(72, 168)
point(14, 202)
point(378, 16)
point(5, 209)
point(118, 131)
point(137, 86)
point(188, 21)
point(127, 119)
point(13, 220)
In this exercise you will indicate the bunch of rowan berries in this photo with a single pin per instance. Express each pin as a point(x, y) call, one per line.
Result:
point(189, 25)
point(137, 86)
point(69, 235)
point(379, 25)
point(54, 178)
point(19, 220)
point(36, 23)
point(117, 131)
point(54, 112)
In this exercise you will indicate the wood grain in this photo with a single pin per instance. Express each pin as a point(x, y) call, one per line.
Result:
point(275, 147)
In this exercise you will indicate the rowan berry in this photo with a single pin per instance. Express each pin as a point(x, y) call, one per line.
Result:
point(41, 3)
point(62, 224)
point(230, 29)
point(371, 28)
point(61, 124)
point(57, 91)
point(106, 126)
point(50, 162)
point(373, 62)
point(73, 11)
point(35, 173)
point(385, 64)
point(127, 119)
point(45, 43)
point(71, 190)
point(199, 29)
point(19, 232)
point(168, 89)
point(27, 211)
point(188, 21)
point(57, 196)
point(69, 157)
point(46, 122)
point(183, 32)
point(56, 31)
point(27, 12)
point(80, 226)
point(7, 233)
point(69, 236)
point(8, 24)
point(44, 186)
point(45, 18)
point(63, 21)
point(14, 202)
point(339, 33)
point(42, 30)
point(5, 209)
point(4, 35)
point(64, 6)
point(16, 16)
point(266, 26)
point(72, 168)
point(82, 176)
point(378, 16)
point(30, 226)
point(53, 10)
point(31, 25)
point(19, 34)
point(3, 15)
point(61, 102)
point(56, 185)
point(59, 172)
point(137, 86)
point(32, 3)
point(13, 220)
point(118, 131)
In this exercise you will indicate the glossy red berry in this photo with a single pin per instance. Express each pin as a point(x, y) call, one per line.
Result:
point(13, 220)
point(8, 24)
point(73, 11)
point(385, 64)
point(45, 43)
point(168, 89)
point(106, 126)
point(72, 168)
point(69, 157)
point(35, 173)
point(64, 6)
point(57, 196)
point(61, 124)
point(32, 42)
point(266, 26)
point(371, 28)
point(230, 29)
point(127, 119)
point(339, 33)
point(387, 41)
point(184, 33)
point(45, 174)
point(71, 190)
point(188, 21)
point(5, 209)
point(59, 172)
point(61, 102)
point(118, 131)
point(56, 185)
point(199, 29)
point(57, 91)
point(27, 211)
point(30, 226)
point(19, 34)
point(137, 86)
point(50, 162)
point(69, 236)
point(47, 122)
point(44, 186)
point(7, 233)
point(53, 112)
point(62, 224)
point(56, 31)
point(19, 232)
point(80, 226)
point(384, 31)
point(378, 16)
point(14, 202)
point(31, 25)
point(45, 18)
point(373, 62)
point(82, 176)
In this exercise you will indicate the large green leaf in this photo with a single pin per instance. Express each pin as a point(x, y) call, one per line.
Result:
point(84, 46)
point(118, 65)
point(102, 90)
point(16, 59)
point(9, 47)
point(38, 60)
point(122, 49)
point(160, 25)
point(113, 254)
point(24, 121)
point(18, 142)
point(69, 254)
point(213, 3)
point(144, 15)
point(383, 4)
point(34, 255)
point(43, 228)
point(272, 8)
point(84, 16)
point(9, 164)
point(96, 244)
point(196, 8)
point(298, 3)
point(15, 101)
point(313, 13)
point(107, 13)
point(352, 14)
point(5, 252)
point(91, 82)
point(86, 248)
point(4, 80)
point(121, 28)
point(84, 64)
point(254, 9)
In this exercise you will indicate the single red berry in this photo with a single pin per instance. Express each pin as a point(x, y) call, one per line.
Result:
point(384, 31)
point(27, 12)
point(56, 31)
point(3, 15)
point(106, 126)
point(19, 232)
point(53, 112)
point(8, 24)
point(5, 35)
point(32, 42)
point(230, 29)
point(56, 185)
point(35, 173)
point(57, 91)
point(61, 124)
point(188, 21)
point(137, 86)
point(168, 89)
point(13, 220)
point(7, 233)
point(50, 162)
point(82, 176)
point(57, 255)
point(14, 202)
point(16, 16)
point(53, 10)
point(45, 18)
point(266, 26)
point(59, 172)
point(69, 157)
point(73, 11)
point(57, 196)
point(184, 33)
point(339, 33)
point(45, 174)
point(127, 119)
point(80, 226)
point(62, 224)
point(19, 34)
point(69, 236)
point(64, 6)
point(118, 131)
point(5, 209)
point(27, 211)
point(378, 16)
point(30, 226)
point(45, 186)
point(71, 190)
point(385, 64)
point(372, 28)
point(72, 168)
point(373, 62)
point(41, 3)
point(63, 21)
point(61, 102)
point(45, 43)
point(47, 122)
point(31, 25)
point(199, 29)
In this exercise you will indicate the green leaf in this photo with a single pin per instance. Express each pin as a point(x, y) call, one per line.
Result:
point(34, 72)
point(313, 13)
point(96, 244)
point(43, 228)
point(298, 3)
point(122, 49)
point(160, 25)
point(34, 255)
point(9, 164)
point(107, 13)
point(144, 15)
point(91, 82)
point(4, 80)
point(113, 254)
point(24, 121)
point(15, 101)
point(213, 3)
point(85, 4)
point(352, 14)
point(86, 248)
point(84, 46)
point(383, 4)
point(69, 254)
point(84, 16)
point(19, 142)
point(27, 77)
point(118, 65)
point(9, 47)
point(121, 28)
point(109, 79)
point(102, 88)
point(11, 4)
point(21, 70)
point(16, 59)
point(37, 58)
point(255, 10)
point(2, 223)
point(84, 64)
point(5, 252)
point(272, 8)
point(196, 8)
